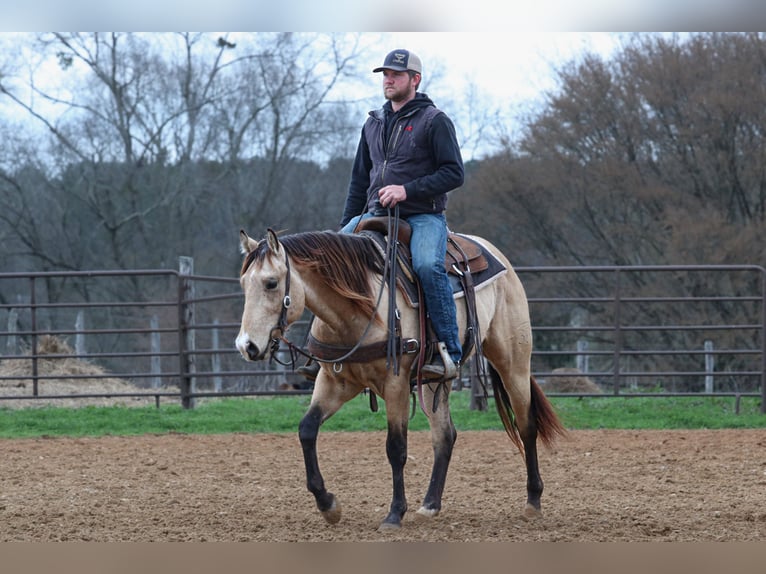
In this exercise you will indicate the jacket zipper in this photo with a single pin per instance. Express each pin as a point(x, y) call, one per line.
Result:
point(392, 141)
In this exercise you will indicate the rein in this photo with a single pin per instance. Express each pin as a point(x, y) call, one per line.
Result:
point(394, 318)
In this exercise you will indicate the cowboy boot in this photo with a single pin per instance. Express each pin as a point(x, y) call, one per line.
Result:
point(441, 367)
point(309, 371)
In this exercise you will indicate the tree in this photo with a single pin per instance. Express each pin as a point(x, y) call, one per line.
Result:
point(135, 120)
point(656, 156)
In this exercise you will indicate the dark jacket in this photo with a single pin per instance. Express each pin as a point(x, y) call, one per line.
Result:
point(415, 147)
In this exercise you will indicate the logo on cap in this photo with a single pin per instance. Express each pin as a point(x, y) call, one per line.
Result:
point(399, 58)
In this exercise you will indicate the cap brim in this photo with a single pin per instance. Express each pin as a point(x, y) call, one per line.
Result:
point(395, 68)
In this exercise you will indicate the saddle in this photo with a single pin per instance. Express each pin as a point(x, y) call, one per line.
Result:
point(463, 254)
point(463, 260)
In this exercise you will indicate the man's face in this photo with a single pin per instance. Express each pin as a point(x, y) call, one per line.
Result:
point(398, 86)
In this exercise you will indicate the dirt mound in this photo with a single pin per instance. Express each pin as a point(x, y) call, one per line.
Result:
point(55, 358)
point(571, 381)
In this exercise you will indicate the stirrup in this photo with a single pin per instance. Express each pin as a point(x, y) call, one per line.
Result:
point(442, 368)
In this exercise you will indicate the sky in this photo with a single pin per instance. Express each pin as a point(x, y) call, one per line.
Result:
point(507, 67)
point(507, 70)
point(507, 47)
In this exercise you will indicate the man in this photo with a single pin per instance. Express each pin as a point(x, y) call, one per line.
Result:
point(408, 156)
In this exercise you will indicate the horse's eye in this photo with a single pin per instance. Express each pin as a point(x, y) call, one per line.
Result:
point(271, 283)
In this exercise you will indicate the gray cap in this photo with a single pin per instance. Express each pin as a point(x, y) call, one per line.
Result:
point(401, 61)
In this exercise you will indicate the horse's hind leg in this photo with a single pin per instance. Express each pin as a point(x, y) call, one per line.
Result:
point(528, 434)
point(443, 436)
point(541, 423)
point(518, 397)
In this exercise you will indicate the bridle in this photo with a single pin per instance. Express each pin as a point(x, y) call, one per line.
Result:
point(281, 325)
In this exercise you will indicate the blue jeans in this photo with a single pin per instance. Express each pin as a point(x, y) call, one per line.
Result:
point(428, 247)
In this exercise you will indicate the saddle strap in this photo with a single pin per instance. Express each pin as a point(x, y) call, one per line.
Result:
point(463, 271)
point(371, 352)
point(472, 332)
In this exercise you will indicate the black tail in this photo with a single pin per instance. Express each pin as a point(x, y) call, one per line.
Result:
point(541, 412)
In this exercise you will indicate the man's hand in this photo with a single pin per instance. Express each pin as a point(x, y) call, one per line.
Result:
point(391, 195)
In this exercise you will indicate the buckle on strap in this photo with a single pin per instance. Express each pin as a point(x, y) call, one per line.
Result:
point(410, 346)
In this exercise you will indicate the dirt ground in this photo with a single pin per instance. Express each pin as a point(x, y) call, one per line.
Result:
point(600, 486)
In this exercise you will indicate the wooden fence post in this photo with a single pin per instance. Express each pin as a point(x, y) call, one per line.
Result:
point(215, 360)
point(79, 338)
point(156, 347)
point(709, 366)
point(11, 346)
point(582, 359)
point(187, 340)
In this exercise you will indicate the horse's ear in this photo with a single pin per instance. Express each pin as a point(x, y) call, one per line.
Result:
point(247, 244)
point(271, 237)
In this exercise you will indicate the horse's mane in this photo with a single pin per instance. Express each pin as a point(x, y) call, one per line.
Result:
point(343, 261)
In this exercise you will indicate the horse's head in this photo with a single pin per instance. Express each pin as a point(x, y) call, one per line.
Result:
point(265, 280)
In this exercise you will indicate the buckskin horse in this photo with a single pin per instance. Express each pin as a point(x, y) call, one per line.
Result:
point(338, 277)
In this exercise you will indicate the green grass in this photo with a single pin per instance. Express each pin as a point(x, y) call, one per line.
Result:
point(660, 413)
point(282, 415)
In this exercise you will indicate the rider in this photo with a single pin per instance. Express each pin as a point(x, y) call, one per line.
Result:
point(408, 155)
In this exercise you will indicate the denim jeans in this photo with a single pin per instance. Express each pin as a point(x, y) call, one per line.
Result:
point(428, 246)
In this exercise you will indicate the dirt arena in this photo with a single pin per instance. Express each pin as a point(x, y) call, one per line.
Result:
point(600, 486)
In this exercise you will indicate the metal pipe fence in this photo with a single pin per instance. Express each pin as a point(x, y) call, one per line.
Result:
point(166, 334)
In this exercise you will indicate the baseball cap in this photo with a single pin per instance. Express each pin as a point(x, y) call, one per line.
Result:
point(401, 61)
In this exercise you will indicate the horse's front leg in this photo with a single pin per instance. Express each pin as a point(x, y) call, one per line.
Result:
point(396, 449)
point(443, 436)
point(308, 431)
point(324, 403)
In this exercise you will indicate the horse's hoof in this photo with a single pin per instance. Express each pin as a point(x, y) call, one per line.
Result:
point(426, 513)
point(388, 526)
point(531, 513)
point(332, 514)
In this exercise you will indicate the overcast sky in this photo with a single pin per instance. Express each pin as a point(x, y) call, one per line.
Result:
point(507, 67)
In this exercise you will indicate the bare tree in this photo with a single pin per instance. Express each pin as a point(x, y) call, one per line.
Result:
point(657, 156)
point(155, 135)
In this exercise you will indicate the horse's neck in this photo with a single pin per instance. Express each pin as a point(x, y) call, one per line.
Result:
point(339, 314)
point(325, 303)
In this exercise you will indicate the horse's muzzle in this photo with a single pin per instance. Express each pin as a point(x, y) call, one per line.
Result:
point(248, 349)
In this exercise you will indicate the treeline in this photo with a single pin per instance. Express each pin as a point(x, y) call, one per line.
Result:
point(160, 143)
point(657, 155)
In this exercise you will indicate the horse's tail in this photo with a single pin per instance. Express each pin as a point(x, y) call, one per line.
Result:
point(541, 412)
point(548, 423)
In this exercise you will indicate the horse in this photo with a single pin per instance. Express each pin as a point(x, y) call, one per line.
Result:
point(338, 277)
